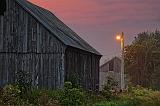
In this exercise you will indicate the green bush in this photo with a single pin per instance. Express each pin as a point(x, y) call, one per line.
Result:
point(10, 95)
point(72, 96)
point(110, 85)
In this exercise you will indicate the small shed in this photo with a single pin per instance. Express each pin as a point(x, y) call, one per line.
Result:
point(111, 68)
point(34, 40)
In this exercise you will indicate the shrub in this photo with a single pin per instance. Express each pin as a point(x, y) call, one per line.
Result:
point(110, 84)
point(10, 95)
point(107, 93)
point(72, 96)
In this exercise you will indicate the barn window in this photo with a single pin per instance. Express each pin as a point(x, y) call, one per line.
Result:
point(2, 7)
point(111, 65)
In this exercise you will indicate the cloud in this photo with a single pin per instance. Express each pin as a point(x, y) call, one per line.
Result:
point(98, 20)
point(102, 11)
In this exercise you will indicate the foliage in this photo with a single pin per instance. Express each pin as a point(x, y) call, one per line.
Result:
point(10, 95)
point(73, 78)
point(142, 60)
point(156, 78)
point(72, 96)
point(127, 102)
point(69, 96)
point(140, 96)
point(23, 80)
point(136, 96)
point(110, 85)
point(93, 98)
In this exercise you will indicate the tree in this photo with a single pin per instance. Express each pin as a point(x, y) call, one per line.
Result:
point(140, 60)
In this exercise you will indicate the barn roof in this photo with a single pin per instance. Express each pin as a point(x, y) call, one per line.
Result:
point(109, 61)
point(56, 27)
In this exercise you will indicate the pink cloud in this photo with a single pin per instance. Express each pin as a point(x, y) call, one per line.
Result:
point(98, 20)
point(100, 11)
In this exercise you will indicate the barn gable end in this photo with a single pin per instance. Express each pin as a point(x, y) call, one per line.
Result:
point(35, 41)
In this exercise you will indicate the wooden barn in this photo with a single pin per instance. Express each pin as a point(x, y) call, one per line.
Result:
point(34, 40)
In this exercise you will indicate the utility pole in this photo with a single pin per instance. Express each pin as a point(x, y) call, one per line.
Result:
point(121, 38)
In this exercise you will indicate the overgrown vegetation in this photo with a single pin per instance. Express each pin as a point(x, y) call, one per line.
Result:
point(135, 96)
point(69, 96)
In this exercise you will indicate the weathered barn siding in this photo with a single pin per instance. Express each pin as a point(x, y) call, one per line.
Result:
point(82, 67)
point(35, 41)
point(39, 66)
point(26, 45)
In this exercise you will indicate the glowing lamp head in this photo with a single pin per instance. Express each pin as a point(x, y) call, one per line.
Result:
point(118, 37)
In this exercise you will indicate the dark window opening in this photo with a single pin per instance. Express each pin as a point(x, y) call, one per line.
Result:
point(111, 65)
point(2, 7)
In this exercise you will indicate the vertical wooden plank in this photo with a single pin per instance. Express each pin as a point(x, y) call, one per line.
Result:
point(1, 72)
point(1, 33)
point(38, 38)
point(26, 33)
point(62, 70)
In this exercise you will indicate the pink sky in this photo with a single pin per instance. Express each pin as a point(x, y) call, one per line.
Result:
point(97, 21)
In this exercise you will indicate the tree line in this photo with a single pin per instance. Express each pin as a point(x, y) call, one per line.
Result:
point(142, 60)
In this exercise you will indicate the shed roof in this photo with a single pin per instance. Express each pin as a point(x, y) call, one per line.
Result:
point(109, 61)
point(56, 27)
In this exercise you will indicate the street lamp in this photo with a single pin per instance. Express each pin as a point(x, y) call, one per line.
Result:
point(121, 38)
